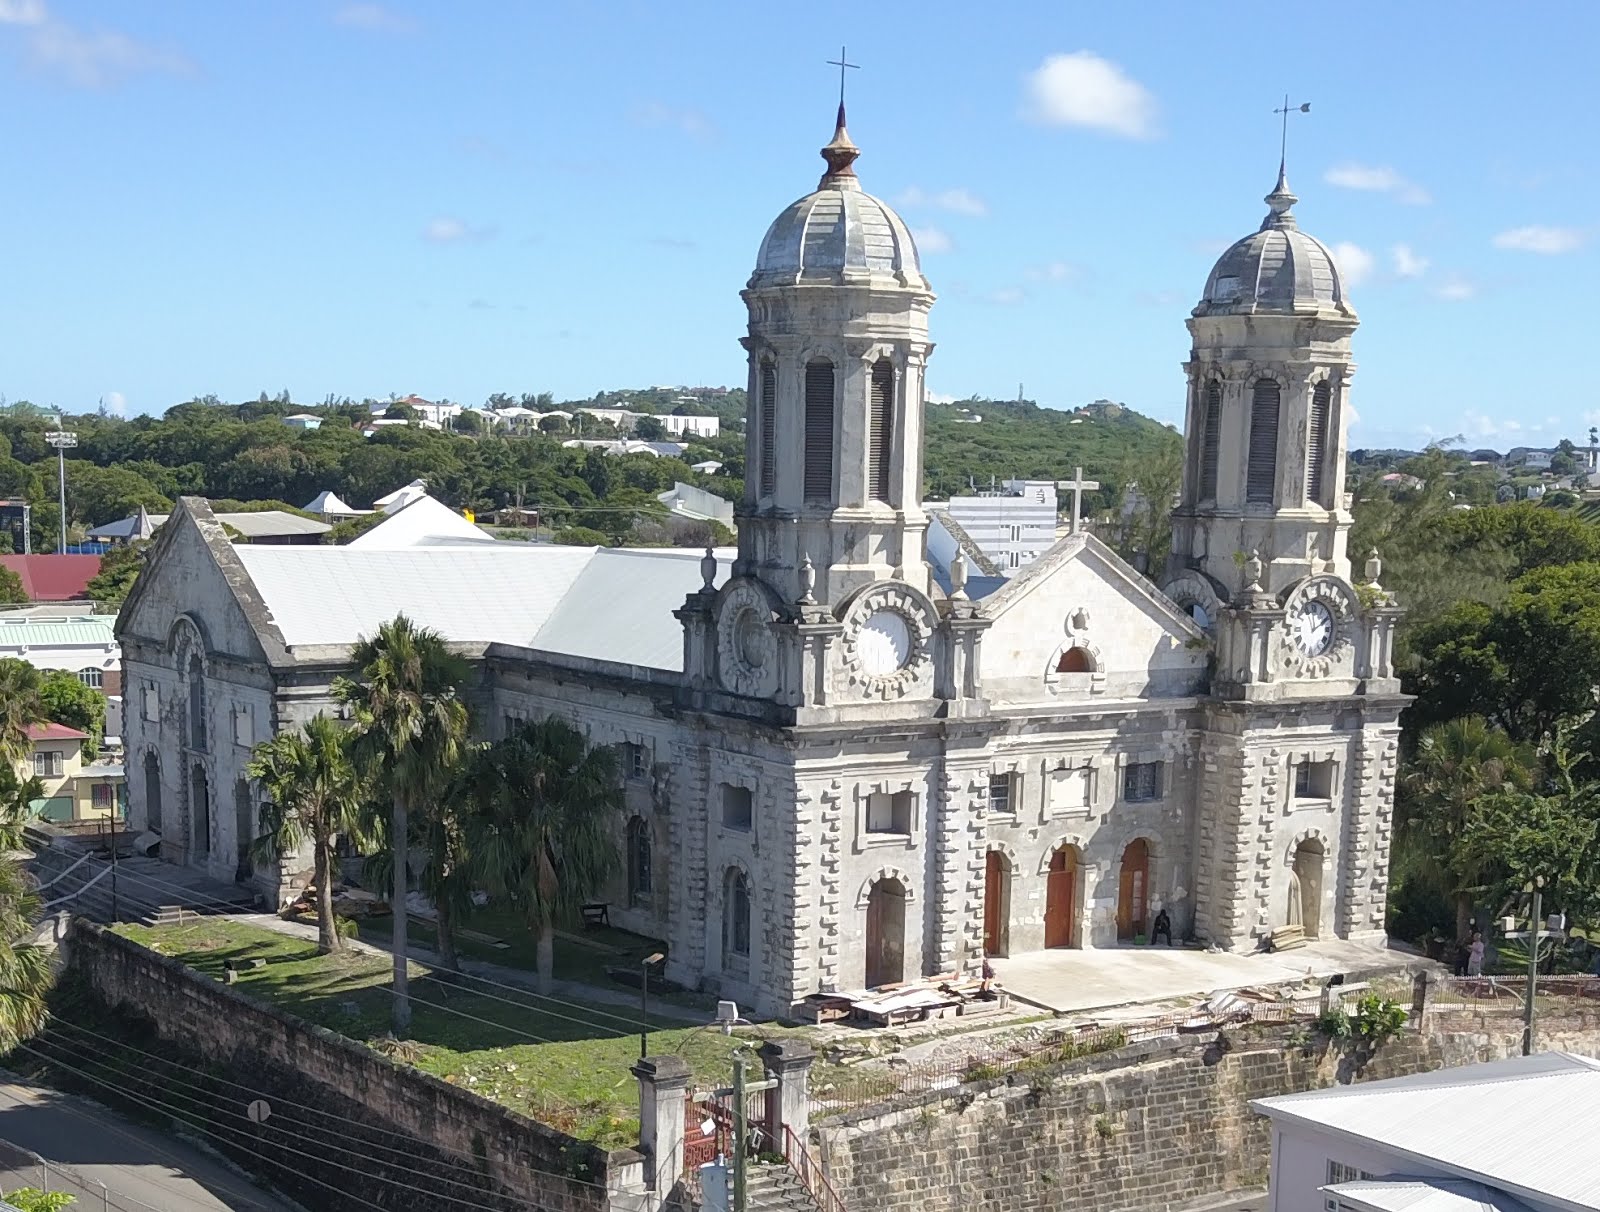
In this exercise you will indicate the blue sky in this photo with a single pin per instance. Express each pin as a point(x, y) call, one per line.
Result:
point(455, 199)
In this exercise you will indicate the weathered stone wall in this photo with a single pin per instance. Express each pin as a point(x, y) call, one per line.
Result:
point(1150, 1127)
point(520, 1163)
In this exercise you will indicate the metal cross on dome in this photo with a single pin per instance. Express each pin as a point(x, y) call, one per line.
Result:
point(841, 64)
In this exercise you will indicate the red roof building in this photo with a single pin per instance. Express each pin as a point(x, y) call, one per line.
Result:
point(55, 732)
point(54, 578)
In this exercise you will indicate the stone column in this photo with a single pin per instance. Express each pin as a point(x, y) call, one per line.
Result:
point(663, 1083)
point(789, 1064)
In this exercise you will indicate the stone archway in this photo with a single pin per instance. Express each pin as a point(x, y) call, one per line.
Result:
point(886, 933)
point(1305, 887)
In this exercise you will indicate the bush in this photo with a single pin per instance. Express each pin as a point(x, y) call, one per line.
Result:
point(581, 536)
point(1377, 1019)
point(1334, 1023)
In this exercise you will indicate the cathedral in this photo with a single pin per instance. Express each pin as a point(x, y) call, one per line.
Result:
point(848, 763)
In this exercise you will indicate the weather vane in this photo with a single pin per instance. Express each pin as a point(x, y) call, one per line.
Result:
point(841, 64)
point(1283, 141)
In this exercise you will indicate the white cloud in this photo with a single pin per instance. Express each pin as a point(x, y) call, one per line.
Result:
point(1055, 271)
point(1407, 264)
point(1082, 89)
point(1479, 425)
point(1455, 289)
point(374, 17)
point(1351, 413)
point(1377, 180)
point(115, 403)
point(22, 12)
point(1355, 263)
point(685, 119)
point(936, 397)
point(1551, 241)
point(932, 240)
point(956, 201)
point(1007, 295)
point(449, 230)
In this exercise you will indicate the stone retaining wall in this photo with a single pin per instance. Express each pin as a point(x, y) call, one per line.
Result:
point(1149, 1127)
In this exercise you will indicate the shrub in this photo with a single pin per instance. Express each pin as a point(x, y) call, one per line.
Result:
point(1334, 1023)
point(1377, 1019)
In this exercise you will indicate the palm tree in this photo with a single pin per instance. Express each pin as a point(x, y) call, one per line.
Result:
point(25, 971)
point(1457, 764)
point(411, 726)
point(546, 832)
point(20, 707)
point(314, 791)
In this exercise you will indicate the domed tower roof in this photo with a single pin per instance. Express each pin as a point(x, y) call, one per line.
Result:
point(839, 234)
point(1278, 269)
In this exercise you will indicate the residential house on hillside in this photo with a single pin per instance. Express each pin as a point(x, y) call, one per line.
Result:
point(73, 790)
point(1499, 1137)
point(303, 420)
point(54, 577)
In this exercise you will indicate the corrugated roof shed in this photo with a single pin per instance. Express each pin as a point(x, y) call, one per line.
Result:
point(1423, 1195)
point(1495, 1122)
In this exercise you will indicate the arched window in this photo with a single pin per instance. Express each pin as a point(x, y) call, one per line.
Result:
point(819, 433)
point(1261, 478)
point(735, 919)
point(1075, 660)
point(638, 860)
point(197, 704)
point(244, 828)
point(880, 437)
point(769, 425)
point(1210, 440)
point(200, 809)
point(1317, 442)
point(152, 792)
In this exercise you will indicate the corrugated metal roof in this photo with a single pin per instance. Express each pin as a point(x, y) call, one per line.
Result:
point(1423, 1195)
point(36, 632)
point(1494, 1122)
point(422, 521)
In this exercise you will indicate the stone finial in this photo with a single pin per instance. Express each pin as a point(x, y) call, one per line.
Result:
point(1374, 568)
point(958, 577)
point(840, 153)
point(708, 569)
point(808, 582)
point(1280, 203)
point(1252, 572)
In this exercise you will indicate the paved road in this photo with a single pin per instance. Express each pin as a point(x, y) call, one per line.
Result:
point(118, 1164)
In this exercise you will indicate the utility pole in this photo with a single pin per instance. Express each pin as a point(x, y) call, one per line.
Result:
point(60, 439)
point(740, 1130)
point(1535, 933)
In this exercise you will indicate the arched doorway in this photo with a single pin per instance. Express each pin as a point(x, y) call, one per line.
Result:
point(886, 933)
point(244, 830)
point(1075, 660)
point(200, 809)
point(152, 792)
point(1133, 889)
point(996, 904)
point(1305, 887)
point(1060, 895)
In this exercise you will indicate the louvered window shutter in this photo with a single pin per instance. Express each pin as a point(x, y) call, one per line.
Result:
point(880, 449)
point(1263, 470)
point(819, 432)
point(1317, 442)
point(769, 423)
point(1210, 441)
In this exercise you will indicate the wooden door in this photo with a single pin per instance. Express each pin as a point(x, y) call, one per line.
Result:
point(1133, 889)
point(996, 877)
point(886, 934)
point(1059, 894)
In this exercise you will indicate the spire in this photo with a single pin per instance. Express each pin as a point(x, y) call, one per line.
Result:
point(840, 153)
point(1279, 202)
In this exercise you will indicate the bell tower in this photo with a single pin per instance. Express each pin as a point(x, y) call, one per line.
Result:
point(837, 345)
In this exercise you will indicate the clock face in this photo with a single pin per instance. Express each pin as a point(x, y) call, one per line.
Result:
point(1312, 629)
point(884, 642)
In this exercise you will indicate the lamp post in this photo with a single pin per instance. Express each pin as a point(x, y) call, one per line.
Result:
point(61, 439)
point(1534, 934)
point(647, 963)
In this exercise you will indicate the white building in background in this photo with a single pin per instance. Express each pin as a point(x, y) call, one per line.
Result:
point(1013, 525)
point(1508, 1136)
point(697, 427)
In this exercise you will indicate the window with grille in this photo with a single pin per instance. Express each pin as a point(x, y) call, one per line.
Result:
point(639, 856)
point(1260, 480)
point(819, 432)
point(92, 678)
point(635, 760)
point(735, 918)
point(1210, 440)
point(1141, 781)
point(1317, 441)
point(769, 427)
point(197, 705)
point(880, 439)
point(1000, 793)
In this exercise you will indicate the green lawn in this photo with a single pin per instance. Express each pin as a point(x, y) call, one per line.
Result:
point(562, 1064)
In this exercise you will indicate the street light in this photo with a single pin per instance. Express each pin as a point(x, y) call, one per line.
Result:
point(61, 439)
point(647, 963)
point(1555, 928)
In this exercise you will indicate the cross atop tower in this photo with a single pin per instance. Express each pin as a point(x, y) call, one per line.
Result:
point(841, 63)
point(1077, 484)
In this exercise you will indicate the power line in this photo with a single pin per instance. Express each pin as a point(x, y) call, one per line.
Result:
point(632, 1023)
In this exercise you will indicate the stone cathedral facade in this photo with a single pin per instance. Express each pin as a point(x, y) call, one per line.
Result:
point(860, 765)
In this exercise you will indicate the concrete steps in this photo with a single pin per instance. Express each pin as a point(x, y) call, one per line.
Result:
point(773, 1188)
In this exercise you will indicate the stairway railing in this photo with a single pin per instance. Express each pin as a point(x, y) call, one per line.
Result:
point(809, 1171)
